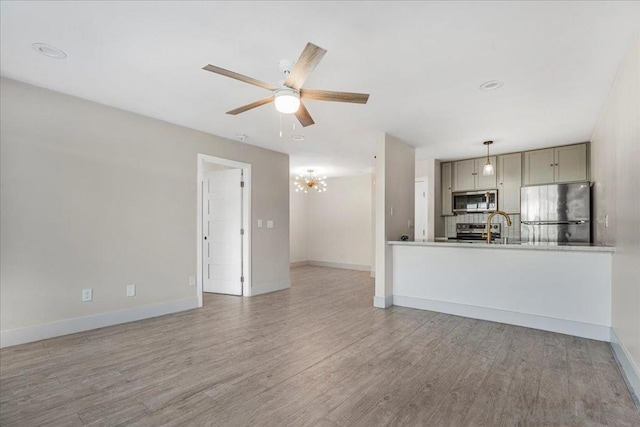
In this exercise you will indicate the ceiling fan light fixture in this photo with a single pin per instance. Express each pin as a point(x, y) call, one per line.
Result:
point(287, 100)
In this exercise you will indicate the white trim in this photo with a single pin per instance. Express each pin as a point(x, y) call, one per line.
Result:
point(357, 267)
point(383, 302)
point(298, 264)
point(85, 323)
point(569, 327)
point(340, 265)
point(629, 370)
point(263, 288)
point(246, 219)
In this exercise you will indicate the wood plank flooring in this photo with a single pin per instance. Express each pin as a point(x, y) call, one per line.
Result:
point(316, 355)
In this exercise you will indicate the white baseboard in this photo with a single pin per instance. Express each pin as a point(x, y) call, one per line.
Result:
point(383, 302)
point(340, 265)
point(79, 324)
point(263, 288)
point(298, 264)
point(630, 372)
point(569, 327)
point(331, 265)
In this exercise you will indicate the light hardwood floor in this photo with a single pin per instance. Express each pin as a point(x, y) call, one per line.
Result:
point(318, 354)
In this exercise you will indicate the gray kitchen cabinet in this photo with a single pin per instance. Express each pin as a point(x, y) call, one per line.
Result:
point(446, 188)
point(464, 175)
point(485, 182)
point(509, 173)
point(539, 167)
point(556, 165)
point(571, 163)
point(467, 175)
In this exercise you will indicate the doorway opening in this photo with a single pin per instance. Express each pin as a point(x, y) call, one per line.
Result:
point(223, 227)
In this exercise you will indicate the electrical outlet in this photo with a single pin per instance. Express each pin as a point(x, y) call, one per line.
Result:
point(259, 223)
point(391, 210)
point(87, 295)
point(410, 224)
point(131, 290)
point(606, 221)
point(269, 223)
point(192, 280)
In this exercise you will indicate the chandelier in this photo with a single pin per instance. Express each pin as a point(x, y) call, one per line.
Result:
point(305, 183)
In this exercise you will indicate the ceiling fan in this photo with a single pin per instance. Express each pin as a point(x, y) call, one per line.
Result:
point(288, 97)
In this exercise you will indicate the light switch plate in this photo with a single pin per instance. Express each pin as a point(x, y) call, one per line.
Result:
point(192, 281)
point(131, 290)
point(259, 223)
point(269, 223)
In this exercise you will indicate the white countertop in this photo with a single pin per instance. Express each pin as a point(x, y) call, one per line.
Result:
point(515, 245)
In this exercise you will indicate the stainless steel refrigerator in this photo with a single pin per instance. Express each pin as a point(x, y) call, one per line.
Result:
point(556, 213)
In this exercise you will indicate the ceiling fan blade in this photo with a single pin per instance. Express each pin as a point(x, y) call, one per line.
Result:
point(326, 95)
point(303, 116)
point(251, 106)
point(309, 59)
point(240, 77)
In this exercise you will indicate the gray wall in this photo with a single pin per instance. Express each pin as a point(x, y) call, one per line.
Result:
point(395, 185)
point(615, 170)
point(96, 197)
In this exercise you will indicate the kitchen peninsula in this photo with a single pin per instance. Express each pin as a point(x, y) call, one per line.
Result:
point(557, 288)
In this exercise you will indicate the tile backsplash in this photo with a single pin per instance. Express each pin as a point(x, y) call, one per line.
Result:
point(512, 232)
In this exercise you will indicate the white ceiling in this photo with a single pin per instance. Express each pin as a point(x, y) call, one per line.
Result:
point(422, 63)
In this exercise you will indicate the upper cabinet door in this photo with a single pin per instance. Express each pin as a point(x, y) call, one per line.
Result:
point(487, 182)
point(571, 163)
point(509, 182)
point(446, 189)
point(464, 175)
point(539, 167)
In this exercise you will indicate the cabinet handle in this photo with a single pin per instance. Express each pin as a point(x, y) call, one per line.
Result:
point(551, 165)
point(556, 164)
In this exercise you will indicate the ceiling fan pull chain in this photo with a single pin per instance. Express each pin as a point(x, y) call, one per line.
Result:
point(280, 125)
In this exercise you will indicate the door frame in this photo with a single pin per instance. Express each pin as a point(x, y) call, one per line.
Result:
point(246, 220)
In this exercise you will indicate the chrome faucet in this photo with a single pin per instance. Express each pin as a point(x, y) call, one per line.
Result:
point(504, 214)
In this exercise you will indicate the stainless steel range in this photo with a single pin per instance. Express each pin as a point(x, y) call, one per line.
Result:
point(477, 232)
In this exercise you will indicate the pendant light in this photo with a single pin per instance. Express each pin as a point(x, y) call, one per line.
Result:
point(488, 167)
point(310, 182)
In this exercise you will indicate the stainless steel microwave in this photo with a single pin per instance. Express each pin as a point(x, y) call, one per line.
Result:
point(475, 201)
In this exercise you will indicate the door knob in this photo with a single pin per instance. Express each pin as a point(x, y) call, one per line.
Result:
point(205, 237)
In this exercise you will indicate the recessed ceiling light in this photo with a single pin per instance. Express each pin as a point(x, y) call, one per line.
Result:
point(297, 138)
point(48, 50)
point(491, 85)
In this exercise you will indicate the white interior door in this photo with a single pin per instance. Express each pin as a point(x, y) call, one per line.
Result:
point(221, 232)
point(421, 209)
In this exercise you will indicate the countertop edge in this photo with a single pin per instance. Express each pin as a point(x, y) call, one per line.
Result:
point(563, 248)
